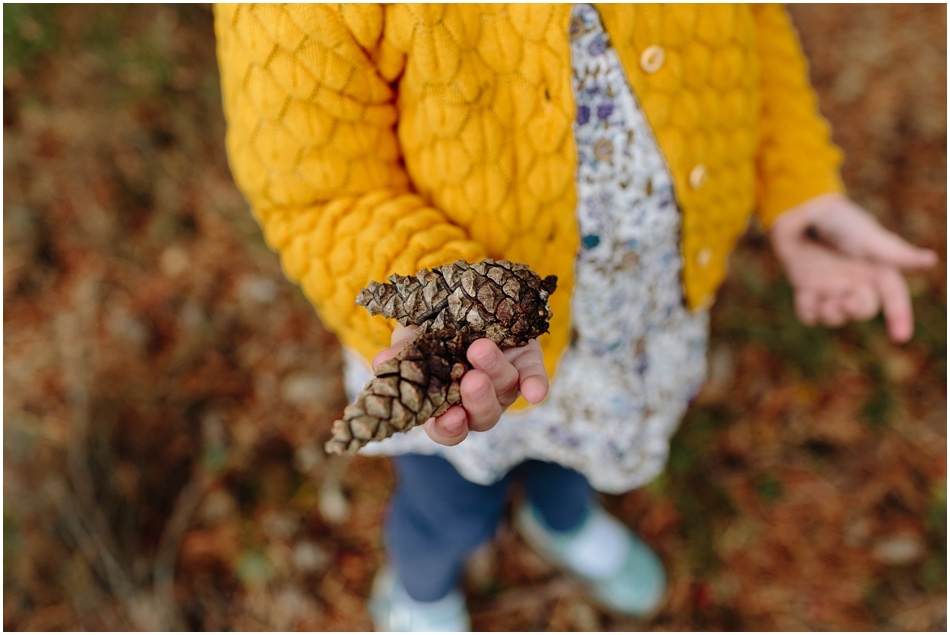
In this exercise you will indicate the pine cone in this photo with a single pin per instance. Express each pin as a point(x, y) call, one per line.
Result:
point(501, 300)
point(453, 306)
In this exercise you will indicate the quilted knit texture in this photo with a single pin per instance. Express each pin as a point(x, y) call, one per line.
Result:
point(372, 140)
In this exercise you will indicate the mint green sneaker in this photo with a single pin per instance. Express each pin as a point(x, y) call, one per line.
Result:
point(618, 569)
point(392, 610)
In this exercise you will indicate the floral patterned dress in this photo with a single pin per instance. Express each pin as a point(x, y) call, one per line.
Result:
point(638, 355)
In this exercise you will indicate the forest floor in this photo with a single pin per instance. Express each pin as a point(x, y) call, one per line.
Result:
point(167, 392)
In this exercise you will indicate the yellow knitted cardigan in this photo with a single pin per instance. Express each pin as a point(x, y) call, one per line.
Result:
point(377, 139)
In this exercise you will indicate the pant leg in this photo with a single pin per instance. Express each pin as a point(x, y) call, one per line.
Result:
point(561, 495)
point(436, 520)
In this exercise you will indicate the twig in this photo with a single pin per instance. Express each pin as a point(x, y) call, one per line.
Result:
point(73, 329)
point(84, 516)
point(166, 556)
point(89, 544)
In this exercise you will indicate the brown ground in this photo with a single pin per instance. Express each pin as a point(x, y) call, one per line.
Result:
point(167, 392)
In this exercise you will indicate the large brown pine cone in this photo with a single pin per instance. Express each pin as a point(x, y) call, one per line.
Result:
point(453, 306)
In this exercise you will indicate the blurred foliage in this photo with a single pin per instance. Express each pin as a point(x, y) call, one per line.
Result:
point(29, 30)
point(809, 351)
point(167, 392)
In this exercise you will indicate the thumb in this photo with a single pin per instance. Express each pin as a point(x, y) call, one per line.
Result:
point(401, 335)
point(855, 232)
point(895, 302)
point(886, 248)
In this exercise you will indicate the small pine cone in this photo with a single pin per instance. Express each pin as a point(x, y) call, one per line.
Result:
point(501, 300)
point(421, 381)
point(453, 306)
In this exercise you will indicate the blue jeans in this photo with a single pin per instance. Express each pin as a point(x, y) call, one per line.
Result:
point(437, 518)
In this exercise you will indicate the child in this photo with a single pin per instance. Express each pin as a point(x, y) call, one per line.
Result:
point(621, 148)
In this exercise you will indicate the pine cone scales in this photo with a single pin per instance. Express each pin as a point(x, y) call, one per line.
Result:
point(501, 300)
point(453, 306)
point(421, 381)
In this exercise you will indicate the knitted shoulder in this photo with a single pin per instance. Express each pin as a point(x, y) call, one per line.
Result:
point(350, 30)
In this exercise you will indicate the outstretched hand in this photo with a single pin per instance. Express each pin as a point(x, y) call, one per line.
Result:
point(495, 381)
point(844, 266)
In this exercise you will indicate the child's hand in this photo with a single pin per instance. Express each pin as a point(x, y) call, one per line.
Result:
point(844, 266)
point(493, 384)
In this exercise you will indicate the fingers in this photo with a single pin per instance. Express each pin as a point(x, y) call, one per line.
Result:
point(859, 304)
point(806, 307)
point(895, 301)
point(883, 289)
point(856, 232)
point(481, 401)
point(401, 335)
point(862, 303)
point(532, 375)
point(831, 312)
point(490, 387)
point(501, 374)
point(853, 271)
point(887, 248)
point(480, 410)
point(449, 429)
point(494, 383)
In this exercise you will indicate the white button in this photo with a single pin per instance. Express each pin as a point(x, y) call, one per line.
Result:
point(697, 176)
point(652, 58)
point(704, 257)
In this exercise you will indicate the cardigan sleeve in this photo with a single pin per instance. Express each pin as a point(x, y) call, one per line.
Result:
point(796, 159)
point(311, 112)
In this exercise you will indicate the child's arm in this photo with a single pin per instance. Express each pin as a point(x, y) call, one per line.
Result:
point(796, 160)
point(312, 144)
point(844, 266)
